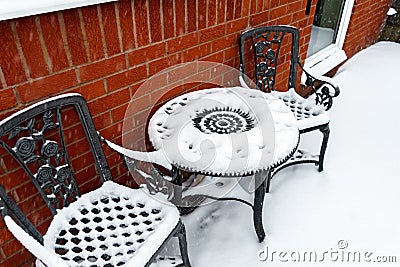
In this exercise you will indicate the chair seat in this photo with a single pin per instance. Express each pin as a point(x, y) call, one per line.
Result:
point(167, 261)
point(111, 226)
point(306, 111)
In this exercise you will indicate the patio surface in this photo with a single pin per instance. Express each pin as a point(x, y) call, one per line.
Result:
point(349, 209)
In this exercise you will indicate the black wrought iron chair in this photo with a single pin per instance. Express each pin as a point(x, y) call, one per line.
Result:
point(112, 225)
point(259, 50)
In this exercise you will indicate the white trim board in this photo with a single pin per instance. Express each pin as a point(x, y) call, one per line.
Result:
point(22, 8)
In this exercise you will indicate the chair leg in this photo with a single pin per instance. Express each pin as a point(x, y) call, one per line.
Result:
point(258, 205)
point(183, 246)
point(325, 131)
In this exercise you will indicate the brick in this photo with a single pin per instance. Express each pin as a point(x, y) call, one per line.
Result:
point(109, 24)
point(8, 180)
point(145, 54)
point(284, 20)
point(74, 36)
point(196, 52)
point(192, 15)
point(11, 247)
point(168, 19)
point(102, 121)
point(212, 33)
point(163, 63)
point(246, 8)
point(138, 105)
point(230, 53)
point(143, 88)
point(10, 164)
point(141, 19)
point(212, 13)
point(278, 12)
point(5, 234)
point(31, 47)
point(165, 95)
point(54, 41)
point(22, 258)
point(200, 77)
point(294, 6)
point(79, 148)
point(224, 42)
point(118, 113)
point(102, 68)
point(46, 86)
point(183, 42)
point(181, 72)
point(91, 90)
point(202, 14)
point(88, 179)
point(8, 99)
point(74, 134)
point(253, 7)
point(109, 101)
point(230, 13)
point(41, 216)
point(221, 7)
point(126, 78)
point(180, 17)
point(155, 21)
point(236, 26)
point(216, 57)
point(113, 131)
point(83, 162)
point(126, 21)
point(10, 61)
point(93, 32)
point(238, 9)
point(259, 19)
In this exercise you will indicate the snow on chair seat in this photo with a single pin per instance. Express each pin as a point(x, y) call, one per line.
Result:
point(111, 226)
point(306, 111)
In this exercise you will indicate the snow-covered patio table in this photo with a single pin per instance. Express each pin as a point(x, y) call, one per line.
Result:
point(227, 132)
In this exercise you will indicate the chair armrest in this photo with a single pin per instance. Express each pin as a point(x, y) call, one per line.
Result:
point(242, 82)
point(43, 254)
point(325, 88)
point(157, 157)
point(156, 181)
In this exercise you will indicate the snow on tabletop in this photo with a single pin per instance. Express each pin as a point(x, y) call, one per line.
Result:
point(172, 129)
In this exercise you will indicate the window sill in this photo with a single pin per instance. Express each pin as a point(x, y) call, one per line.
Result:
point(21, 8)
point(326, 60)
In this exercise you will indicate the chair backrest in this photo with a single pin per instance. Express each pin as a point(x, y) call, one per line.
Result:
point(261, 49)
point(35, 137)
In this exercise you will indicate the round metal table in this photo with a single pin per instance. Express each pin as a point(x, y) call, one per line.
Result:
point(227, 132)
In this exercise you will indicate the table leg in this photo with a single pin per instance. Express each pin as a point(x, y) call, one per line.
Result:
point(177, 186)
point(260, 181)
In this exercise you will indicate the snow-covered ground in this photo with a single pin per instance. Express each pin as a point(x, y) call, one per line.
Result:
point(345, 216)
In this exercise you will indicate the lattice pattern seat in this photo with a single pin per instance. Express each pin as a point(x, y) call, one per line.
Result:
point(108, 227)
point(306, 111)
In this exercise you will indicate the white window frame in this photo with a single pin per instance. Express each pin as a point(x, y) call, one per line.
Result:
point(332, 55)
point(11, 9)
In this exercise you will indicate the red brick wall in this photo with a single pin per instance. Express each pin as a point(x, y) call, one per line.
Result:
point(105, 52)
point(367, 21)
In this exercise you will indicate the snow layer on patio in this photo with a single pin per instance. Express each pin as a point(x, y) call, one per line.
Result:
point(349, 209)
